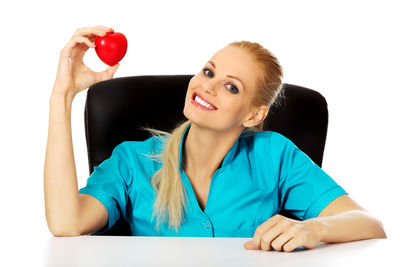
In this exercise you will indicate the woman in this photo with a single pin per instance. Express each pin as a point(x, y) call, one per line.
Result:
point(211, 176)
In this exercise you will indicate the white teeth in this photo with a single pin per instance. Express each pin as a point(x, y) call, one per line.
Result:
point(203, 103)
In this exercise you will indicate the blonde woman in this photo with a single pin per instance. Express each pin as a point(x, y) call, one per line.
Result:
point(216, 175)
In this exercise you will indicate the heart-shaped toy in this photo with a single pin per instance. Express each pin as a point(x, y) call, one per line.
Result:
point(111, 48)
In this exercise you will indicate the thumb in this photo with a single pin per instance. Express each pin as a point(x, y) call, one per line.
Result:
point(250, 245)
point(111, 70)
point(107, 74)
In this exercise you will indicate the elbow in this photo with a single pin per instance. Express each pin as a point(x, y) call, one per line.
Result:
point(375, 227)
point(369, 226)
point(63, 232)
point(380, 231)
point(61, 228)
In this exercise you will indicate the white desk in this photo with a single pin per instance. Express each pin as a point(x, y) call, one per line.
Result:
point(184, 251)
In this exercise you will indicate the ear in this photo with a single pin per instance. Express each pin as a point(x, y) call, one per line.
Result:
point(256, 116)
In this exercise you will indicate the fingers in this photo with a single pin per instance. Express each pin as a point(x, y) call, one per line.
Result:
point(279, 242)
point(263, 228)
point(292, 244)
point(83, 38)
point(278, 233)
point(68, 50)
point(284, 234)
point(91, 31)
point(268, 237)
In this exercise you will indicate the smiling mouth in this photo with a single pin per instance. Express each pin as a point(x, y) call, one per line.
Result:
point(197, 99)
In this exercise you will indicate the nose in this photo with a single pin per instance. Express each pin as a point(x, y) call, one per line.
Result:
point(210, 87)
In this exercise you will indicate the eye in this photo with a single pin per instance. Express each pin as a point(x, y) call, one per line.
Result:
point(234, 89)
point(205, 71)
point(231, 87)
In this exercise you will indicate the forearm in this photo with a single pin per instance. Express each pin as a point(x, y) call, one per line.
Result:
point(60, 179)
point(350, 226)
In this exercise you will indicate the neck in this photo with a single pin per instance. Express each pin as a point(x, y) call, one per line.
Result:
point(205, 149)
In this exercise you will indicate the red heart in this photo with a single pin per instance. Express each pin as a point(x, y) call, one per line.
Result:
point(111, 48)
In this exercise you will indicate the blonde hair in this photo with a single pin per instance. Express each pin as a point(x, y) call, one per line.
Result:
point(170, 204)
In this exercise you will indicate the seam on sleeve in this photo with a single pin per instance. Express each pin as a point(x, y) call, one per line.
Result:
point(132, 188)
point(118, 150)
point(322, 201)
point(282, 172)
point(130, 162)
point(106, 200)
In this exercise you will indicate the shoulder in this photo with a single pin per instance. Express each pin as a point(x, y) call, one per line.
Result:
point(269, 146)
point(150, 144)
point(138, 151)
point(133, 157)
point(265, 139)
point(267, 150)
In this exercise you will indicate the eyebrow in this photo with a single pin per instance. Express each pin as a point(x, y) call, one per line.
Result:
point(212, 63)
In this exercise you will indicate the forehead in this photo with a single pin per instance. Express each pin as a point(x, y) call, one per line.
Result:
point(235, 61)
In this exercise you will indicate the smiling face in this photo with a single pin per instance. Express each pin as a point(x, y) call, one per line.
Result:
point(226, 85)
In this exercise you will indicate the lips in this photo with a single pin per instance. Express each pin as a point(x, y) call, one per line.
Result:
point(208, 102)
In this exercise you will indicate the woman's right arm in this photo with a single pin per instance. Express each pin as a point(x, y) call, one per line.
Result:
point(67, 212)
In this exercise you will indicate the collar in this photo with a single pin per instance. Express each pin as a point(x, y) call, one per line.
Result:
point(228, 158)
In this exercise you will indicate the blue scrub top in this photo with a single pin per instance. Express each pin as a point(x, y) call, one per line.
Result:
point(263, 173)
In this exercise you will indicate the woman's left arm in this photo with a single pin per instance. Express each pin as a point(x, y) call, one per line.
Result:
point(342, 220)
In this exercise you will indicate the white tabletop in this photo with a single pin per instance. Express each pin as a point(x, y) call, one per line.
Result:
point(184, 251)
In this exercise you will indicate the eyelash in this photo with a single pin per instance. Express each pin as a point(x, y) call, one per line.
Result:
point(237, 90)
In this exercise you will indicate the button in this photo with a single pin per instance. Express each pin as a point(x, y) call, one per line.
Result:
point(207, 225)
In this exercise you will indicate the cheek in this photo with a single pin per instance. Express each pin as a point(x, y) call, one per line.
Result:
point(233, 109)
point(195, 80)
point(190, 88)
point(241, 110)
point(193, 83)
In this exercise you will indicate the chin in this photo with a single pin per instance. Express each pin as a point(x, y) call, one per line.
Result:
point(189, 114)
point(193, 117)
point(199, 120)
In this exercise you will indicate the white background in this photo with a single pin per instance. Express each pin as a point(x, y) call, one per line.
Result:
point(346, 50)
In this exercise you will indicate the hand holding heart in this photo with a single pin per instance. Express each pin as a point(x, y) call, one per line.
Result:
point(73, 75)
point(284, 234)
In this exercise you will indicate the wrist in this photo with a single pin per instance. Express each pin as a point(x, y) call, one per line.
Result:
point(320, 228)
point(61, 101)
point(57, 95)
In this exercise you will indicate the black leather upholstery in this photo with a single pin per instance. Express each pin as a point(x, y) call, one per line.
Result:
point(116, 108)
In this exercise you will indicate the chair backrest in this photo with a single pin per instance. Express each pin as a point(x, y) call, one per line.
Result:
point(116, 108)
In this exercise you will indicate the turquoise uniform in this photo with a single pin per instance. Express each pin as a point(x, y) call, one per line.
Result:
point(263, 173)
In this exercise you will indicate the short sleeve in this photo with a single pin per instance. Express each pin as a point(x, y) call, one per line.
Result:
point(305, 189)
point(108, 183)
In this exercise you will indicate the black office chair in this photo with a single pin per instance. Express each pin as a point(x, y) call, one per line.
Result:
point(116, 108)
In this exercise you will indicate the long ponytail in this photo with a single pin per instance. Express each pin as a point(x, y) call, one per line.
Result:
point(171, 194)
